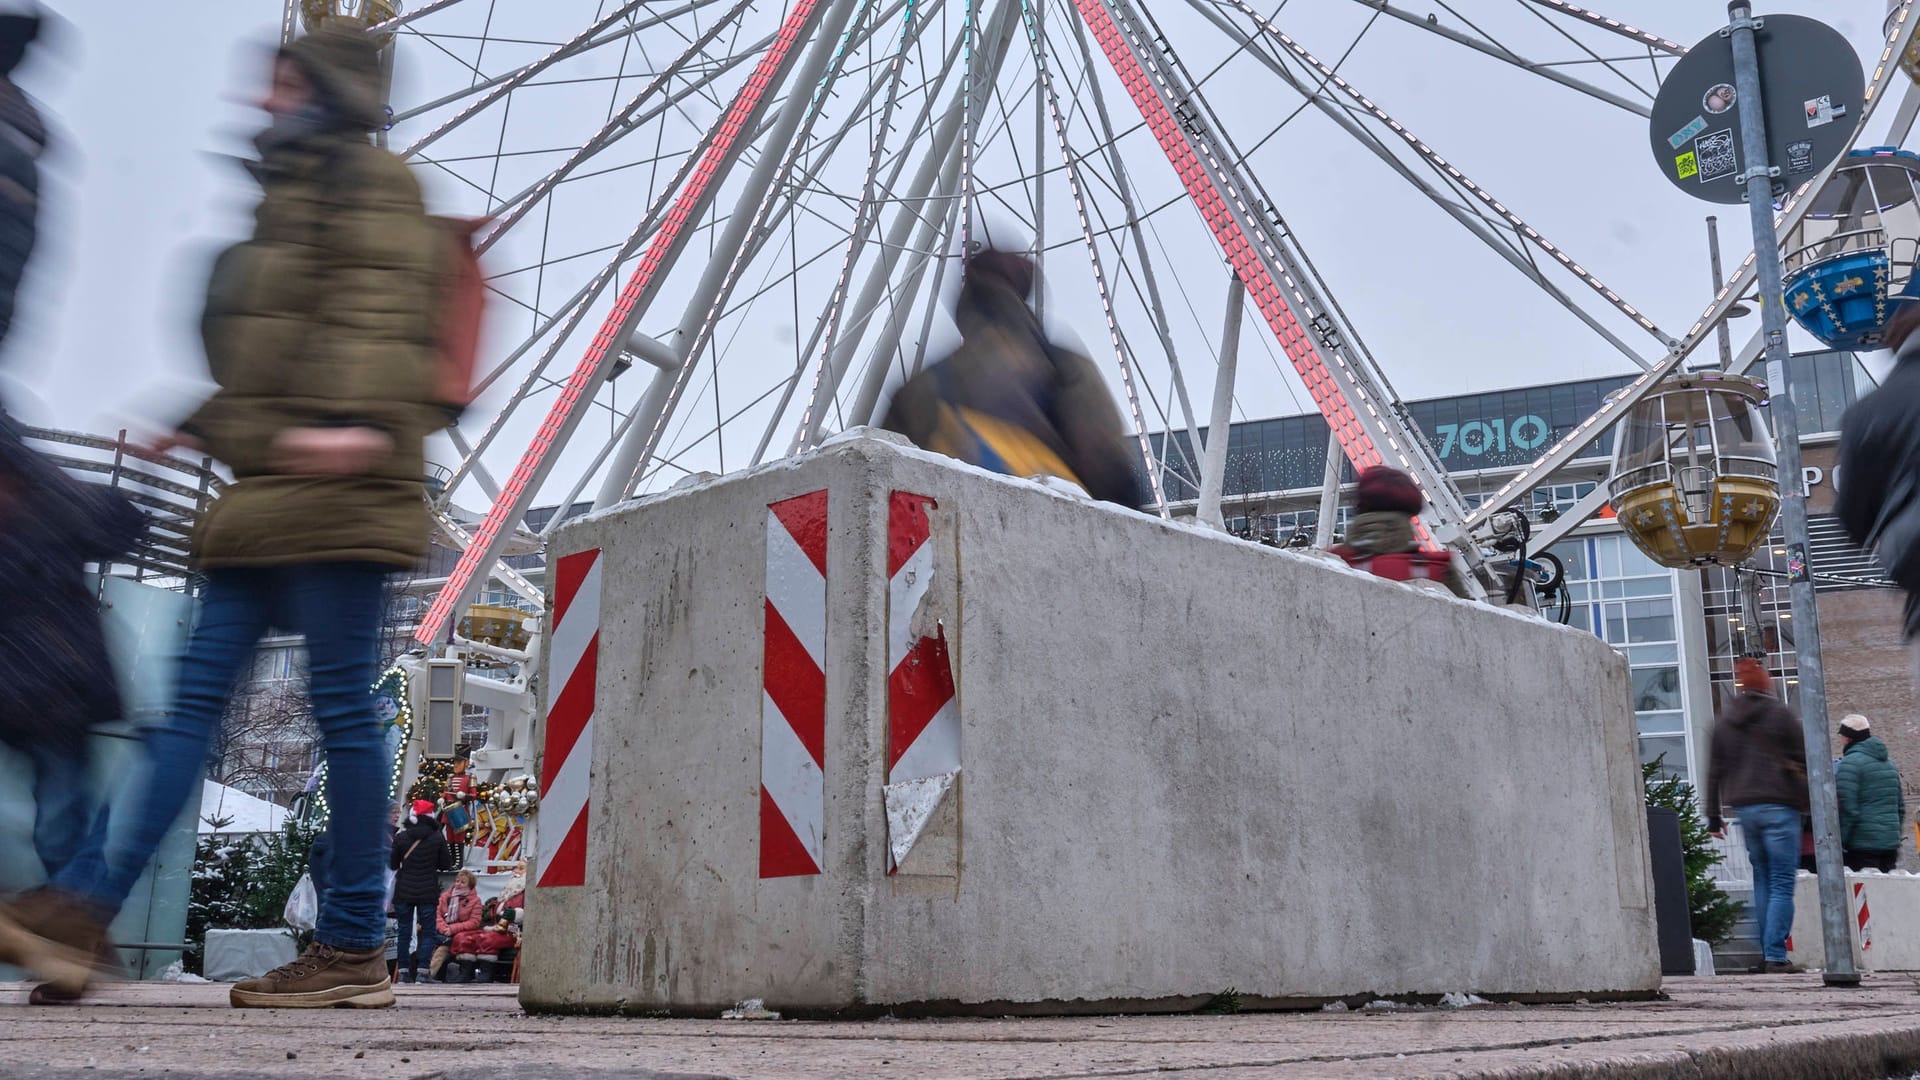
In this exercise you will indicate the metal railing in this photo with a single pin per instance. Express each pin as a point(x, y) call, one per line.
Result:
point(171, 491)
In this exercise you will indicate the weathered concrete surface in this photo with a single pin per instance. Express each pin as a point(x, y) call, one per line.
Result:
point(1893, 925)
point(1189, 764)
point(1757, 1028)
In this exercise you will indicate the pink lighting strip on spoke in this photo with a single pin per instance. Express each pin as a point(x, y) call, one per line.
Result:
point(1207, 197)
point(732, 126)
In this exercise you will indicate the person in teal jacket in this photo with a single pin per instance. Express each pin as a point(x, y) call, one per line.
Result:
point(1873, 808)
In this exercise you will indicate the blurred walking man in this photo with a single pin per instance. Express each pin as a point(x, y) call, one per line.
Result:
point(1011, 400)
point(321, 333)
point(1758, 766)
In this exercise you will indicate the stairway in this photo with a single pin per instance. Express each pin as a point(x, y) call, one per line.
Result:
point(1739, 954)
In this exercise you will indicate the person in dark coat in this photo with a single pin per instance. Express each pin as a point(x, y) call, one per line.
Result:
point(1877, 478)
point(1758, 767)
point(1873, 808)
point(420, 856)
point(23, 137)
point(1012, 401)
point(56, 679)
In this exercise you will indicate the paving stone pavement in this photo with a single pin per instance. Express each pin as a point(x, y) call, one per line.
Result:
point(1751, 1028)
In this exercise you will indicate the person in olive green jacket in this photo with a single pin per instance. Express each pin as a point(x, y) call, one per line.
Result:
point(1873, 809)
point(321, 332)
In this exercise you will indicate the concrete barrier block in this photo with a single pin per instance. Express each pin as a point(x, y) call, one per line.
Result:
point(1141, 763)
point(1886, 939)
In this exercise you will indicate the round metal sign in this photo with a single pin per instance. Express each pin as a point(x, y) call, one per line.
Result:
point(1812, 89)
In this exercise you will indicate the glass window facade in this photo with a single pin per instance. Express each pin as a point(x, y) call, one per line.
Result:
point(1627, 600)
point(1824, 385)
point(1501, 429)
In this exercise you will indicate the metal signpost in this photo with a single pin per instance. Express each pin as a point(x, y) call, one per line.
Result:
point(1745, 113)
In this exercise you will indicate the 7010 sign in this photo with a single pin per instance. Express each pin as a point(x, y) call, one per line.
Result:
point(1495, 436)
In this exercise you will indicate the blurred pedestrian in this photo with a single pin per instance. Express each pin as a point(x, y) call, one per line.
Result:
point(1380, 537)
point(23, 138)
point(1010, 400)
point(1877, 477)
point(1758, 767)
point(1873, 809)
point(56, 680)
point(321, 331)
point(420, 855)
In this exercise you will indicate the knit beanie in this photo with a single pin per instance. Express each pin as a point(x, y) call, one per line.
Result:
point(1855, 727)
point(1383, 488)
point(1751, 675)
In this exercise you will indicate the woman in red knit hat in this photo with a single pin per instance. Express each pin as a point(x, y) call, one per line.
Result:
point(1380, 538)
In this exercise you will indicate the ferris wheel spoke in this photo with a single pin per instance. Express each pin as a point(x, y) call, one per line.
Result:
point(939, 170)
point(405, 18)
point(1502, 238)
point(1455, 175)
point(1493, 48)
point(540, 332)
point(1614, 26)
point(910, 141)
point(1122, 186)
point(866, 213)
point(1793, 211)
point(513, 209)
point(1595, 57)
point(502, 86)
point(815, 75)
point(900, 305)
point(1044, 85)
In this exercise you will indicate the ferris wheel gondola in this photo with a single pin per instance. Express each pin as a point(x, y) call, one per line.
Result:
point(1694, 480)
point(1850, 262)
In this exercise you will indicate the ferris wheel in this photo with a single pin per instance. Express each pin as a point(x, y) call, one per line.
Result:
point(719, 231)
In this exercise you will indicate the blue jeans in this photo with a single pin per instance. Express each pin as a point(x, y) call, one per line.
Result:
point(1772, 833)
point(416, 953)
point(337, 607)
point(63, 807)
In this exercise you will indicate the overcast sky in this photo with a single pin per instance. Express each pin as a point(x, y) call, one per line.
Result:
point(145, 97)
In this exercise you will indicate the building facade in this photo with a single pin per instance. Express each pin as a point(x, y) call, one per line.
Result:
point(1679, 629)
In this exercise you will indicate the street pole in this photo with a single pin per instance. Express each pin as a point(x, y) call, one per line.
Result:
point(1719, 282)
point(1759, 180)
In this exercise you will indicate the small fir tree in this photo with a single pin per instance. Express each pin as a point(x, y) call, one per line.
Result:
point(1714, 912)
point(242, 883)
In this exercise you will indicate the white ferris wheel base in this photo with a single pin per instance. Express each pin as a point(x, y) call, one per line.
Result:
point(869, 728)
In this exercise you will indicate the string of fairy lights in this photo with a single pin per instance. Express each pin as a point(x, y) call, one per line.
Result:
point(516, 796)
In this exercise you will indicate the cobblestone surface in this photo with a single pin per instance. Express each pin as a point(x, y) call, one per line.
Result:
point(1752, 1028)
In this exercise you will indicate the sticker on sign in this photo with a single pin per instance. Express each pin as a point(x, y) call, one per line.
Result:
point(1800, 156)
point(1686, 165)
point(1679, 138)
point(1821, 111)
point(1715, 153)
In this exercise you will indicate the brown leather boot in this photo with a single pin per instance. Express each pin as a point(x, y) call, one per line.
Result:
point(322, 977)
point(55, 935)
point(106, 968)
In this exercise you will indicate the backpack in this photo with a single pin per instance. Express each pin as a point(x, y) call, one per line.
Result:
point(463, 305)
point(1400, 565)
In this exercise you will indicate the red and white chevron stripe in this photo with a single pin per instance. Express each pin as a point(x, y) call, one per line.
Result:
point(923, 714)
point(566, 759)
point(1863, 915)
point(793, 711)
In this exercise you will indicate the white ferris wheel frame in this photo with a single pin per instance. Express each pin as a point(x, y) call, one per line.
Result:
point(1369, 422)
